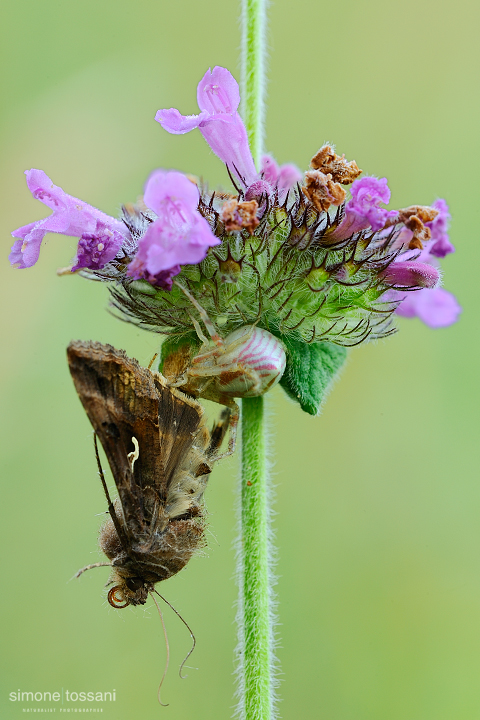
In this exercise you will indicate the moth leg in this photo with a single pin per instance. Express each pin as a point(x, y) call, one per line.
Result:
point(152, 361)
point(219, 431)
point(89, 567)
point(111, 509)
point(233, 417)
point(153, 527)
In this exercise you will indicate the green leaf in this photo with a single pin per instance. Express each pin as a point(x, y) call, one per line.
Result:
point(310, 372)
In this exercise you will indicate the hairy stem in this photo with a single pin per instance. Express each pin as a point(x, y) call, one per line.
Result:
point(255, 617)
point(254, 22)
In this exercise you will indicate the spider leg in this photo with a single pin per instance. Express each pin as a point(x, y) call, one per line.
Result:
point(228, 348)
point(211, 329)
point(198, 330)
point(247, 379)
point(212, 371)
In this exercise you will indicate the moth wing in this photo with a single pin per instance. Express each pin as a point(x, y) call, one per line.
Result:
point(124, 401)
point(121, 402)
point(183, 434)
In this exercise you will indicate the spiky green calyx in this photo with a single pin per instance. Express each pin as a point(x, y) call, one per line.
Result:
point(287, 277)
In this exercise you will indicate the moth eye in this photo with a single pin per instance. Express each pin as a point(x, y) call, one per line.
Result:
point(134, 583)
point(116, 598)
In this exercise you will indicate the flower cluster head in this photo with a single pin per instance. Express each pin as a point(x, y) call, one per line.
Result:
point(314, 257)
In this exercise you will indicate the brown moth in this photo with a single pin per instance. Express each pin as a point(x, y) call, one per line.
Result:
point(161, 454)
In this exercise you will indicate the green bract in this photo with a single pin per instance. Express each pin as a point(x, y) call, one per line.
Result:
point(287, 277)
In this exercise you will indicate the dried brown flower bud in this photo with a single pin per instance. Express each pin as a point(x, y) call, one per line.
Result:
point(424, 212)
point(327, 161)
point(414, 218)
point(322, 191)
point(239, 215)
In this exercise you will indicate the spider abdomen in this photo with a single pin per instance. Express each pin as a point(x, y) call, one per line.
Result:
point(254, 361)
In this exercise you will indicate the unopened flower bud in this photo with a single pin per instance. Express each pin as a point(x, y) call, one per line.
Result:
point(411, 274)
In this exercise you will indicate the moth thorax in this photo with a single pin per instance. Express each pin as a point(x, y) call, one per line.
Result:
point(109, 541)
point(177, 361)
point(261, 357)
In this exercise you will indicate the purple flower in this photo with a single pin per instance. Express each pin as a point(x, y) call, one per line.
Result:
point(440, 243)
point(178, 236)
point(101, 236)
point(433, 305)
point(273, 179)
point(363, 211)
point(411, 274)
point(218, 98)
point(257, 190)
point(95, 251)
point(284, 177)
point(436, 308)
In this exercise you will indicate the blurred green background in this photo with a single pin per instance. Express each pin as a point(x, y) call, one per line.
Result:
point(378, 500)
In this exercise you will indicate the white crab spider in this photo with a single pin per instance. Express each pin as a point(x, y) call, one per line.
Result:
point(246, 363)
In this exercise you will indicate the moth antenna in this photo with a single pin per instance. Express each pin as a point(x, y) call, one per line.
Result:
point(211, 329)
point(152, 361)
point(89, 567)
point(168, 650)
point(111, 508)
point(189, 630)
point(134, 455)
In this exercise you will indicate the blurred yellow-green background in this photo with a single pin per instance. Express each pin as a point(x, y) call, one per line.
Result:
point(378, 500)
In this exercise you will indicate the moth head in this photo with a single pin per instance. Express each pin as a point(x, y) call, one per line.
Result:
point(128, 591)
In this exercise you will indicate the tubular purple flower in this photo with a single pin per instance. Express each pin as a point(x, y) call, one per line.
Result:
point(258, 189)
point(178, 236)
point(364, 207)
point(218, 98)
point(284, 177)
point(95, 251)
point(273, 178)
point(101, 236)
point(440, 243)
point(436, 308)
point(433, 305)
point(363, 211)
point(411, 274)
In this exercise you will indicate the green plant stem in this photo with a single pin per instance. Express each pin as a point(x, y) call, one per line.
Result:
point(255, 607)
point(255, 616)
point(254, 22)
